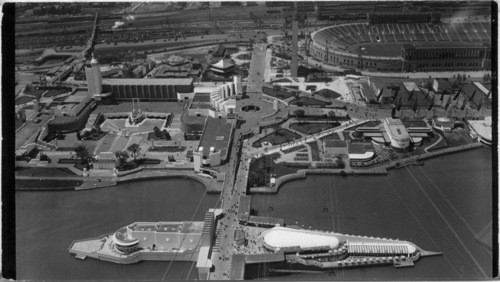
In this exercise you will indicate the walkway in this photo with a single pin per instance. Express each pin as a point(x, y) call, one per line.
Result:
point(257, 152)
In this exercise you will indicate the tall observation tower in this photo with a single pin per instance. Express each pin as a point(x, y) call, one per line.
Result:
point(94, 78)
point(295, 28)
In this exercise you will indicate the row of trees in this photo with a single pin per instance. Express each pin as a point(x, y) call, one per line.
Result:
point(301, 113)
point(82, 153)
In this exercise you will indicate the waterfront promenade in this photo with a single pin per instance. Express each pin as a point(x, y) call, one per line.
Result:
point(107, 179)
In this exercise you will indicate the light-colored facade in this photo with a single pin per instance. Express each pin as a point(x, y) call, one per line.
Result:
point(167, 236)
point(399, 136)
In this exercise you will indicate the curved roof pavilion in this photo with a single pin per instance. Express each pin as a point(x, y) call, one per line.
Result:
point(282, 237)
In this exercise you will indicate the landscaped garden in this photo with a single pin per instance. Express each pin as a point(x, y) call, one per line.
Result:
point(47, 184)
point(333, 136)
point(327, 93)
point(458, 137)
point(30, 90)
point(55, 92)
point(312, 128)
point(440, 145)
point(277, 137)
point(23, 100)
point(170, 149)
point(157, 134)
point(244, 56)
point(314, 151)
point(262, 169)
point(307, 101)
point(44, 171)
point(277, 92)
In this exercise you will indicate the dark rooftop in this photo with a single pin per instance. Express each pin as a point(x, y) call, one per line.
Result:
point(201, 97)
point(244, 208)
point(237, 267)
point(216, 134)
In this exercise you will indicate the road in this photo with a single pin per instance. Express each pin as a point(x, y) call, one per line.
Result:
point(235, 184)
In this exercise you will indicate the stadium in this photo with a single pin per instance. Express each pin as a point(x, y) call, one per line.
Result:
point(405, 43)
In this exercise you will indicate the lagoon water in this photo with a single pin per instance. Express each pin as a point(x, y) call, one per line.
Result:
point(441, 206)
point(47, 223)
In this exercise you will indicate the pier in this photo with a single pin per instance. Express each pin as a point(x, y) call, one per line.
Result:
point(231, 237)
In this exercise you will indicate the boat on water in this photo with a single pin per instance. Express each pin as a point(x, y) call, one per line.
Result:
point(418, 163)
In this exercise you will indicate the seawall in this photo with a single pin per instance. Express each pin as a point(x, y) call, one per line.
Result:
point(378, 170)
point(302, 174)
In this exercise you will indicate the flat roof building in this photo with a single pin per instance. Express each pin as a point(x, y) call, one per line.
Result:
point(153, 89)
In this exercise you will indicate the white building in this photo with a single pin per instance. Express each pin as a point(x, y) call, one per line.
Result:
point(399, 136)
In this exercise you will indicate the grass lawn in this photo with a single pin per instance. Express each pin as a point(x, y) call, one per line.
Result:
point(314, 150)
point(457, 137)
point(312, 128)
point(55, 92)
point(441, 145)
point(45, 171)
point(333, 136)
point(17, 124)
point(327, 93)
point(306, 101)
point(35, 92)
point(24, 99)
point(278, 137)
point(370, 123)
point(171, 149)
point(54, 184)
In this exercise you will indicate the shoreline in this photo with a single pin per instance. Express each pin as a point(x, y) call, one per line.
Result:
point(382, 169)
point(212, 186)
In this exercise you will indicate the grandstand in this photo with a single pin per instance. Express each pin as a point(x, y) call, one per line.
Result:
point(382, 46)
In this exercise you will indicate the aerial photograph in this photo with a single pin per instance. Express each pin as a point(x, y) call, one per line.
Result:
point(255, 140)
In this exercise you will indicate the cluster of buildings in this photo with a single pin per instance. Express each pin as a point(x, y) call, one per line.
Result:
point(441, 93)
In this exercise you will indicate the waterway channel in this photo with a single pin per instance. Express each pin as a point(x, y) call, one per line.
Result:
point(402, 205)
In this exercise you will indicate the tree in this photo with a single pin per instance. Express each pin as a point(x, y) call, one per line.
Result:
point(167, 135)
point(83, 154)
point(134, 150)
point(299, 113)
point(486, 77)
point(122, 156)
point(158, 133)
point(44, 157)
point(331, 115)
point(428, 84)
